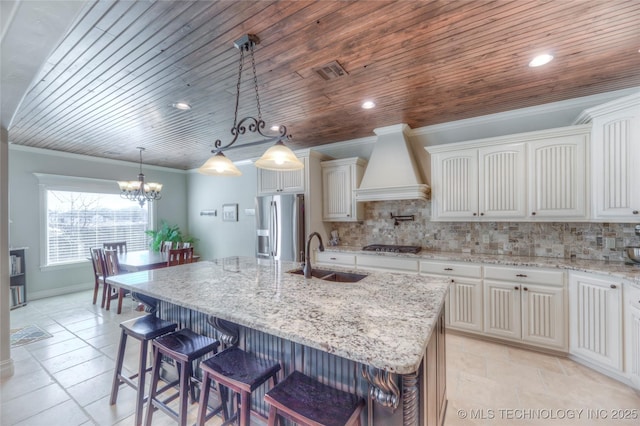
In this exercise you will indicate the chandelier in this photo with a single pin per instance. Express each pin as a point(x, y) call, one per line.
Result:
point(278, 157)
point(139, 190)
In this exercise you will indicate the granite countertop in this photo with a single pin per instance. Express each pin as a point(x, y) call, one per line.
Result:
point(384, 320)
point(623, 270)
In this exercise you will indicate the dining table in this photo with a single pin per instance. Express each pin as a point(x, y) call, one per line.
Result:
point(144, 260)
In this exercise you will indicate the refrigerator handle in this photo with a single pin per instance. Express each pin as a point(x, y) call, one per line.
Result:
point(276, 233)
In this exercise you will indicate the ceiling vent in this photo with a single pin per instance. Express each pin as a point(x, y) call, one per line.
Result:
point(330, 71)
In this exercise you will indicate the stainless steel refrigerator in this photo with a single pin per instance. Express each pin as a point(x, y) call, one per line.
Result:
point(280, 227)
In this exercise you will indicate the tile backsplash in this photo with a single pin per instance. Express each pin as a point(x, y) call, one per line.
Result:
point(593, 241)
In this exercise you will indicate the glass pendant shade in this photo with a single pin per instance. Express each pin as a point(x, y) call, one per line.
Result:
point(279, 157)
point(219, 165)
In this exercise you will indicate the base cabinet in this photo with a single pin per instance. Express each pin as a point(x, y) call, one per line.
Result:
point(526, 305)
point(596, 319)
point(434, 380)
point(632, 333)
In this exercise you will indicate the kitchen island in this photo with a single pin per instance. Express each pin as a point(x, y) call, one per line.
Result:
point(377, 337)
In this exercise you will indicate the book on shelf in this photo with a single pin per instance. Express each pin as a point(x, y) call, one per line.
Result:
point(15, 265)
point(17, 295)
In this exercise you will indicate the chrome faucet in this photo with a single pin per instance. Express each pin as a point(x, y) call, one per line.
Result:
point(307, 255)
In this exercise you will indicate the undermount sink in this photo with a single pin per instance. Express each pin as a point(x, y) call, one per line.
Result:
point(327, 275)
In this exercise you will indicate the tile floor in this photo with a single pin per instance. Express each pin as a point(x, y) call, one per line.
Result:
point(66, 379)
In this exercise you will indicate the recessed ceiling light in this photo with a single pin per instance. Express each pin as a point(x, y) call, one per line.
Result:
point(540, 60)
point(368, 104)
point(182, 105)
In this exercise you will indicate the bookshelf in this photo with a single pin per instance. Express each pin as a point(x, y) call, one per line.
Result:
point(18, 278)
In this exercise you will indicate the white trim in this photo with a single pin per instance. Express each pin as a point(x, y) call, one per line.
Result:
point(613, 106)
point(53, 153)
point(509, 139)
point(76, 183)
point(59, 291)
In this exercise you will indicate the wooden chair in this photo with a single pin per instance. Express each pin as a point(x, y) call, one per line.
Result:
point(166, 246)
point(180, 256)
point(97, 261)
point(184, 244)
point(120, 246)
point(112, 267)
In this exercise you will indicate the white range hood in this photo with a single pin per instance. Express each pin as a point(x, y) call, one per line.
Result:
point(392, 173)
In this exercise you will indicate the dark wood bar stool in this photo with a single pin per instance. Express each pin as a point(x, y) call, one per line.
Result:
point(240, 372)
point(183, 347)
point(308, 402)
point(144, 329)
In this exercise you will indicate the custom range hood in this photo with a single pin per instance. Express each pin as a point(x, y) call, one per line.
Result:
point(392, 173)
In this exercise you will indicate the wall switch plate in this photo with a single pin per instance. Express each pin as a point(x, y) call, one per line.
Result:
point(610, 243)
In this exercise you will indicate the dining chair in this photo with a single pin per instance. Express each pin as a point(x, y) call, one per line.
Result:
point(112, 267)
point(166, 246)
point(180, 256)
point(119, 246)
point(184, 244)
point(97, 261)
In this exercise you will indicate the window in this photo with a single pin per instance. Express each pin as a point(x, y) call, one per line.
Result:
point(80, 216)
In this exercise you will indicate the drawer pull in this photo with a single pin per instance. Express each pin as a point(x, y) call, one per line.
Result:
point(521, 275)
point(448, 269)
point(475, 214)
point(614, 286)
point(333, 258)
point(525, 289)
point(635, 212)
point(517, 288)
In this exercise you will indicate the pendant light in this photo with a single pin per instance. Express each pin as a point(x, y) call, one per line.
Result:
point(139, 190)
point(278, 157)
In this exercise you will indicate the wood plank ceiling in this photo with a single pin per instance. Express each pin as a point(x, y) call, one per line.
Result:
point(111, 83)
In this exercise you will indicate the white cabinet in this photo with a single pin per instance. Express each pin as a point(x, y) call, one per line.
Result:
point(340, 178)
point(595, 308)
point(525, 304)
point(615, 155)
point(382, 262)
point(335, 258)
point(557, 177)
point(277, 182)
point(632, 333)
point(487, 183)
point(530, 176)
point(465, 292)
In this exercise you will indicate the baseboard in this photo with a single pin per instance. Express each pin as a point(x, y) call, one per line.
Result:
point(519, 345)
point(6, 368)
point(607, 371)
point(58, 291)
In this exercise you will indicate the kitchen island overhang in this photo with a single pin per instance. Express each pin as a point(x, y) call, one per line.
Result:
point(384, 321)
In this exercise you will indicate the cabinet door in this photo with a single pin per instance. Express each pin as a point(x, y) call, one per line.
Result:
point(502, 309)
point(615, 158)
point(465, 304)
point(595, 306)
point(632, 332)
point(456, 184)
point(292, 181)
point(543, 320)
point(337, 193)
point(502, 187)
point(557, 177)
point(268, 182)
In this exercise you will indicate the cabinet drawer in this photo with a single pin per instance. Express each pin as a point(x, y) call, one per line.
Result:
point(387, 263)
point(451, 269)
point(524, 275)
point(334, 258)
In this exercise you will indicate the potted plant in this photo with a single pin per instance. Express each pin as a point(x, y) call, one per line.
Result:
point(167, 232)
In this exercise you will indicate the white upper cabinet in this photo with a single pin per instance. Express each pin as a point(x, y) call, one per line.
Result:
point(278, 182)
point(530, 176)
point(340, 178)
point(557, 177)
point(615, 156)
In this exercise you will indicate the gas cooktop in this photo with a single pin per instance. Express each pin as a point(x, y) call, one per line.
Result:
point(392, 248)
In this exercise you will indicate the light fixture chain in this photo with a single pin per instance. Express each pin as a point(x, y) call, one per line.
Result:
point(255, 81)
point(235, 114)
